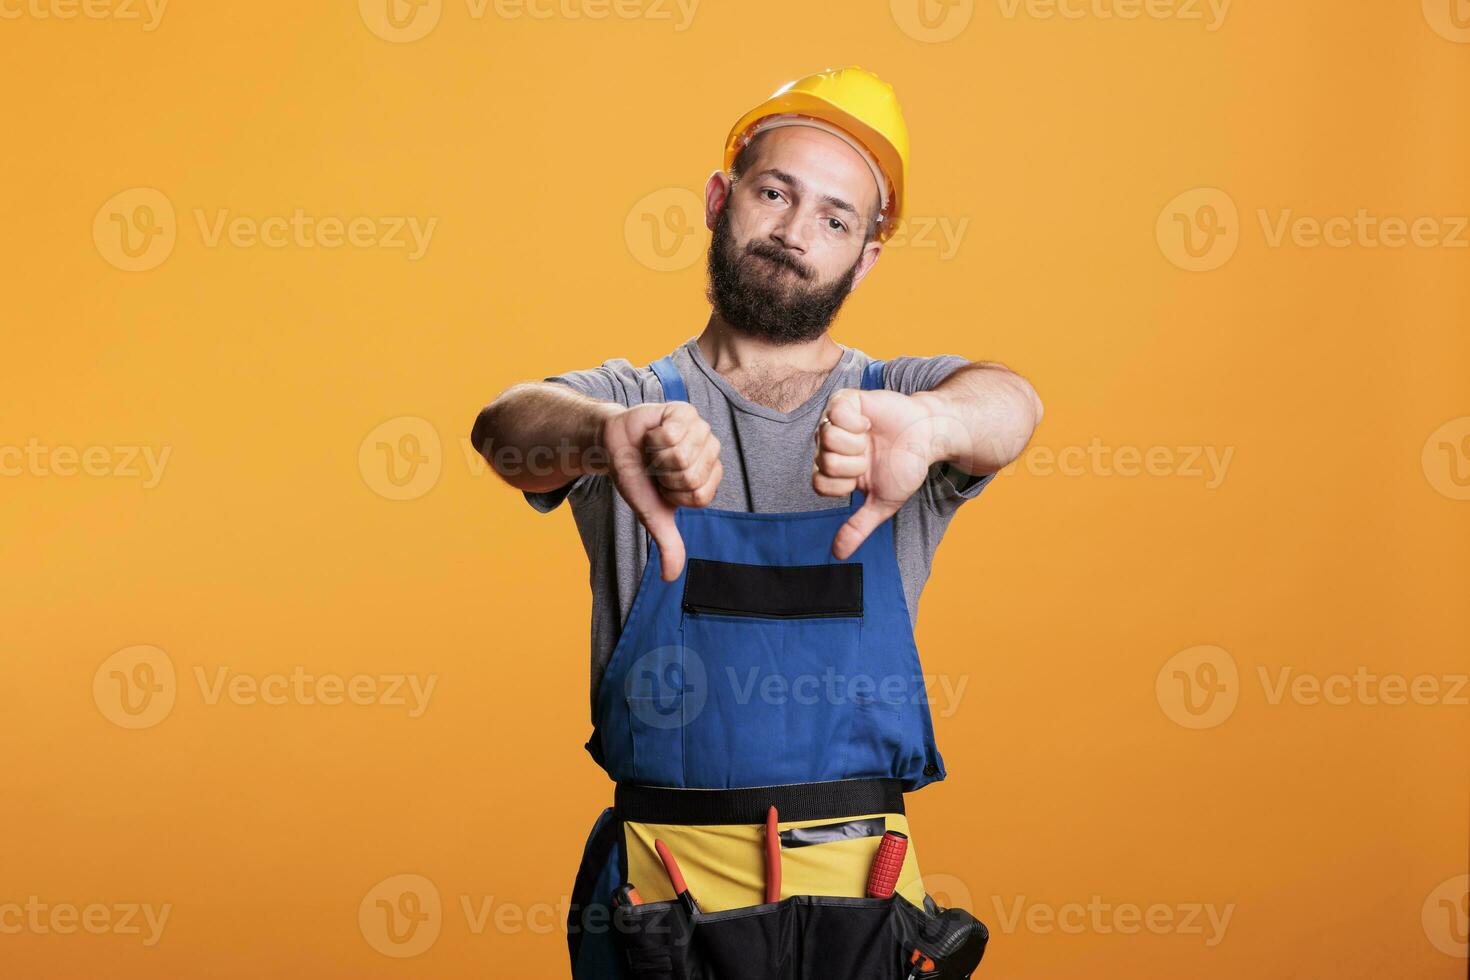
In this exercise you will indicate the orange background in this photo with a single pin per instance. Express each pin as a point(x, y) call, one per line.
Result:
point(1334, 542)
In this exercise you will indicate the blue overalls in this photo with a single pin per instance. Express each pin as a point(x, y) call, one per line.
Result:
point(767, 662)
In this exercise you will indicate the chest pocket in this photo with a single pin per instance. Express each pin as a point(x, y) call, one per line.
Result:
point(780, 645)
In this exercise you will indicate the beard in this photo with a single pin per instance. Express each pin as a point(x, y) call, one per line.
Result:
point(764, 292)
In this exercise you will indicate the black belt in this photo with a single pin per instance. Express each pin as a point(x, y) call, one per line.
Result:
point(793, 801)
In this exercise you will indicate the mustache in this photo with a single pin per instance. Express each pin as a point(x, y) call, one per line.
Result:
point(778, 256)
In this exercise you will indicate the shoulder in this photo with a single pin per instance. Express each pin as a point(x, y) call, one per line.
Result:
point(616, 380)
point(909, 373)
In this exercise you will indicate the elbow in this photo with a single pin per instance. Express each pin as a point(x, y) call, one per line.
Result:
point(484, 434)
point(1029, 411)
point(1034, 400)
point(492, 428)
point(1018, 421)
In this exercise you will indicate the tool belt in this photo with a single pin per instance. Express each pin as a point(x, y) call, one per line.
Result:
point(799, 936)
point(796, 801)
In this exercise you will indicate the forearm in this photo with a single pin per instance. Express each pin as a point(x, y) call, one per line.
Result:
point(984, 414)
point(539, 436)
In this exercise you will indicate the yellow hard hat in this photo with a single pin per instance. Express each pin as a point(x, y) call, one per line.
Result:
point(852, 104)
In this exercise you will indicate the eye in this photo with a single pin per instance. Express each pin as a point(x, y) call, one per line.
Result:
point(837, 226)
point(776, 195)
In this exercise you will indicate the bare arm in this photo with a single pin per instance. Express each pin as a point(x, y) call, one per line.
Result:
point(984, 415)
point(540, 436)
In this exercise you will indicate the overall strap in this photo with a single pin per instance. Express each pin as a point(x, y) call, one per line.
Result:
point(668, 376)
point(873, 376)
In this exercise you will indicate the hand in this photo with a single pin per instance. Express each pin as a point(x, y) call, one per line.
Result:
point(879, 442)
point(663, 456)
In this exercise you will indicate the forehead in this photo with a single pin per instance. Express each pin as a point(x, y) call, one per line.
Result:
point(823, 163)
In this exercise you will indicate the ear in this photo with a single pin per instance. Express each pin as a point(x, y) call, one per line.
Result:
point(867, 260)
point(716, 195)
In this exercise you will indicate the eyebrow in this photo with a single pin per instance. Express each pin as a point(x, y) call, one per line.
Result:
point(782, 175)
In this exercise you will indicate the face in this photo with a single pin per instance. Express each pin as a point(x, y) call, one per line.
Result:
point(788, 236)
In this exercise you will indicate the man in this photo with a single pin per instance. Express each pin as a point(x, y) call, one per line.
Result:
point(760, 510)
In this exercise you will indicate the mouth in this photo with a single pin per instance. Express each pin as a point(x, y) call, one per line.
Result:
point(780, 266)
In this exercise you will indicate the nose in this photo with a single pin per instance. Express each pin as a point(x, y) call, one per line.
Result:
point(791, 232)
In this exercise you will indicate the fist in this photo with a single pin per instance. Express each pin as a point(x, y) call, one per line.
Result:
point(663, 456)
point(879, 442)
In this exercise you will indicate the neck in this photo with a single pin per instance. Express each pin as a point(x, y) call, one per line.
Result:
point(728, 350)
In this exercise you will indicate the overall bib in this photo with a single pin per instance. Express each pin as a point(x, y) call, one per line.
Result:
point(768, 673)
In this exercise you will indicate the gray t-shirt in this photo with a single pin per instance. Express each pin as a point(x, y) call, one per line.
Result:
point(780, 444)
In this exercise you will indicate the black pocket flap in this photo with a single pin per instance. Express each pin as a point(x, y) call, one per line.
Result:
point(774, 591)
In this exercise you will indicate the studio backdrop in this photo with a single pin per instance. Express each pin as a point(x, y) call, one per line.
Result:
point(294, 685)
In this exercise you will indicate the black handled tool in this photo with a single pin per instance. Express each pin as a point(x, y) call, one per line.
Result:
point(950, 946)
